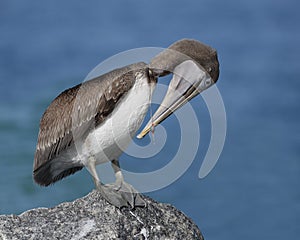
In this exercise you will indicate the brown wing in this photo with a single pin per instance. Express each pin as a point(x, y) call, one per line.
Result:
point(73, 113)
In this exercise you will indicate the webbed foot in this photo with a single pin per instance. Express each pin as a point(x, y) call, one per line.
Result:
point(121, 194)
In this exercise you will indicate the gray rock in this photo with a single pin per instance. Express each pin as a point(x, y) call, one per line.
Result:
point(91, 217)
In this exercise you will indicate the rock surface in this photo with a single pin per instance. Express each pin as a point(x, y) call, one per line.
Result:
point(91, 217)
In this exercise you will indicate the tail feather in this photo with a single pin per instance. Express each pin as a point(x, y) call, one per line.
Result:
point(53, 171)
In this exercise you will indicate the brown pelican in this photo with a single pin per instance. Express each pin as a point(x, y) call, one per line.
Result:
point(89, 124)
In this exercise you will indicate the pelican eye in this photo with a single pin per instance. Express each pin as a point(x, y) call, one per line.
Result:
point(209, 69)
point(207, 82)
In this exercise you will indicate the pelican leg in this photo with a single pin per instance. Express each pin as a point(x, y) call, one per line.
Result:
point(118, 174)
point(110, 194)
point(128, 193)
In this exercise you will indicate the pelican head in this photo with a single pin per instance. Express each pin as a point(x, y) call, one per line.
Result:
point(195, 67)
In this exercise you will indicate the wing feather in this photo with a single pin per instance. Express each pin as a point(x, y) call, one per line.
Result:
point(78, 109)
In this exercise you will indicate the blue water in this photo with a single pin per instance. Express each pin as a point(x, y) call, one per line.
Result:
point(254, 190)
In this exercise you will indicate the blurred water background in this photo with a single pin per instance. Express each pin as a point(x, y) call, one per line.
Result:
point(253, 192)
